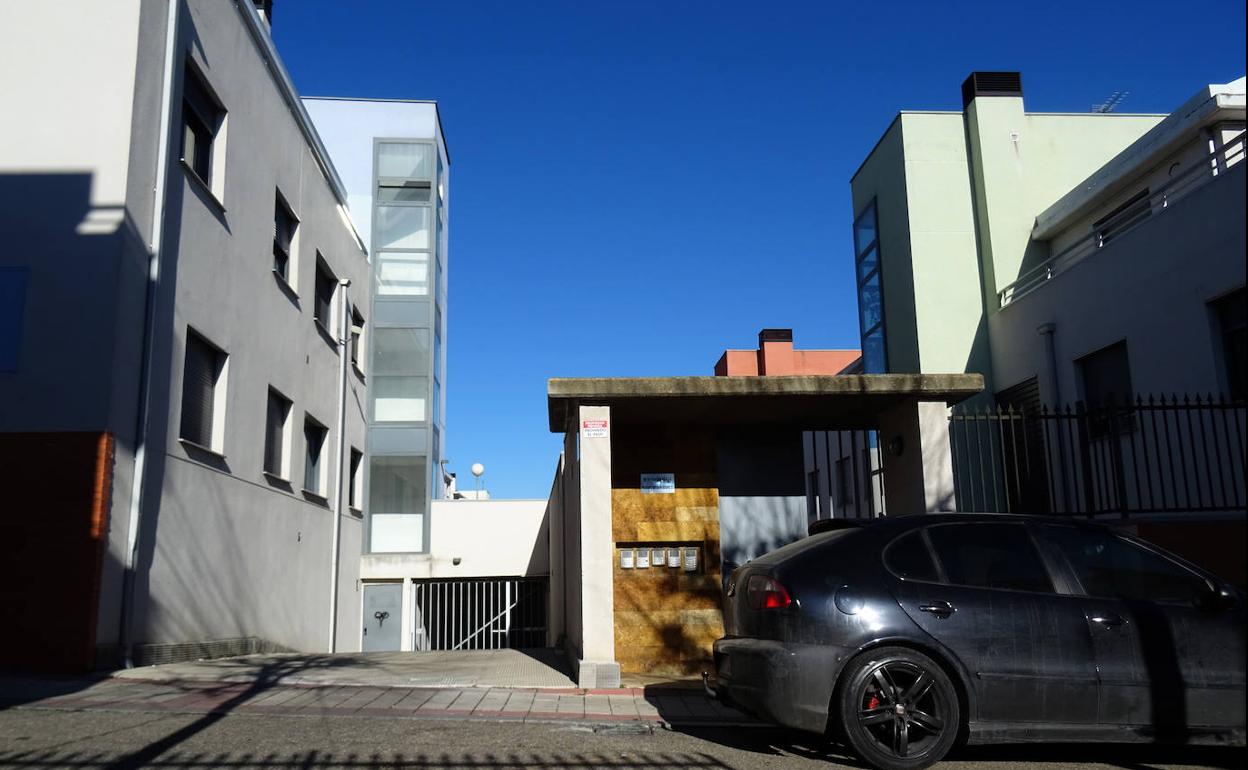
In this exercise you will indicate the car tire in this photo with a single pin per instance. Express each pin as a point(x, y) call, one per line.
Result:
point(897, 709)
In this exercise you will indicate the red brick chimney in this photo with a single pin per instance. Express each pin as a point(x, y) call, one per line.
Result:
point(775, 352)
point(776, 357)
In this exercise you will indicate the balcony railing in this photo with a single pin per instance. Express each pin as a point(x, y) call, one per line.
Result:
point(1127, 219)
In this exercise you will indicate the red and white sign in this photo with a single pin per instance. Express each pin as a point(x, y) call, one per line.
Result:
point(595, 429)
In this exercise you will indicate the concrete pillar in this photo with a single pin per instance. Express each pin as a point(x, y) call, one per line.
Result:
point(596, 666)
point(918, 462)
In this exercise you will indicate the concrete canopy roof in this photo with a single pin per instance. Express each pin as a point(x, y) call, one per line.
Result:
point(815, 402)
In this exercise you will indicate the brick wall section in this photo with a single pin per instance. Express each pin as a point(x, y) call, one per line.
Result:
point(665, 618)
point(52, 534)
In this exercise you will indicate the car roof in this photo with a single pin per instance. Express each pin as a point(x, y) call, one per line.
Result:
point(918, 520)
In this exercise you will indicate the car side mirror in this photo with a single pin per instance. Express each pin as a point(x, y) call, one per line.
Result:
point(1220, 598)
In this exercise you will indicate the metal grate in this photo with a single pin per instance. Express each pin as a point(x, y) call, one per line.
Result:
point(1170, 454)
point(991, 84)
point(479, 614)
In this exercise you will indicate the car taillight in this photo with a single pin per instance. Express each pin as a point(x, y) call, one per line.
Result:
point(766, 593)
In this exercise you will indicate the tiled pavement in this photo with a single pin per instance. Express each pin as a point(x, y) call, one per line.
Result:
point(676, 707)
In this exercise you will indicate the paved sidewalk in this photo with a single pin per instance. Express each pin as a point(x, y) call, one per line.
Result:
point(672, 707)
point(461, 668)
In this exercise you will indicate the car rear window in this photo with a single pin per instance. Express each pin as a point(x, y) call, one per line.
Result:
point(908, 558)
point(801, 546)
point(990, 556)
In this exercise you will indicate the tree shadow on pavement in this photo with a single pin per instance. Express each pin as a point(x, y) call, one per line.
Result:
point(392, 761)
point(260, 673)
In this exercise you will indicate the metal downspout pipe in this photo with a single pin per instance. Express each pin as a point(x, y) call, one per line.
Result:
point(344, 353)
point(155, 249)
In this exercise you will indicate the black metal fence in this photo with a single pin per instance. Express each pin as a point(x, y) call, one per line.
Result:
point(1157, 454)
point(480, 613)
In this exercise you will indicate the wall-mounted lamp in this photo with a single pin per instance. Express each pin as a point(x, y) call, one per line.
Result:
point(456, 561)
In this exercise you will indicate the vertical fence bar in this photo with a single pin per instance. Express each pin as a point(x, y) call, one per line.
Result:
point(1005, 464)
point(1156, 452)
point(1239, 444)
point(1045, 444)
point(1202, 411)
point(1115, 454)
point(853, 467)
point(1178, 431)
point(1136, 431)
point(1225, 411)
point(1191, 444)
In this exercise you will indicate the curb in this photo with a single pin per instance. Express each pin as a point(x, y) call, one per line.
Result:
point(604, 721)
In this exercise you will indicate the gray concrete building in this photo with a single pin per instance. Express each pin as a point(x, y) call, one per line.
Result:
point(182, 383)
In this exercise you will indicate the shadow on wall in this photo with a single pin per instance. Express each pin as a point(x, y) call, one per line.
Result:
point(762, 493)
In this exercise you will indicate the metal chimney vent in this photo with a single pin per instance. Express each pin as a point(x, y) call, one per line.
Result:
point(991, 84)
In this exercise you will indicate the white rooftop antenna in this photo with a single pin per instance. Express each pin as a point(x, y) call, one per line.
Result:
point(1111, 103)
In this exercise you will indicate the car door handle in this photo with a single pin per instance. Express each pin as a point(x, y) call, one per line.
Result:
point(939, 609)
point(1109, 621)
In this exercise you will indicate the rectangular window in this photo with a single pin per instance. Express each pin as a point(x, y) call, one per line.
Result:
point(403, 191)
point(398, 497)
point(1123, 218)
point(1231, 317)
point(999, 556)
point(1106, 380)
point(404, 160)
point(201, 119)
point(323, 301)
point(284, 224)
point(357, 336)
point(870, 290)
point(1106, 376)
point(355, 480)
point(277, 416)
point(397, 485)
point(314, 435)
point(403, 273)
point(403, 227)
point(12, 309)
point(203, 392)
point(400, 374)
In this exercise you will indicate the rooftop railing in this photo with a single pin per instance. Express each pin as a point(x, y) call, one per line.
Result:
point(1127, 218)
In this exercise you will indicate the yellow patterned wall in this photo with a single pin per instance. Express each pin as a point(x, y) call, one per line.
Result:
point(665, 618)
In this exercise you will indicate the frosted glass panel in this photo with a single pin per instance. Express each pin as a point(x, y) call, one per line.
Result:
point(400, 351)
point(403, 227)
point(406, 161)
point(397, 484)
point(397, 533)
point(399, 399)
point(402, 274)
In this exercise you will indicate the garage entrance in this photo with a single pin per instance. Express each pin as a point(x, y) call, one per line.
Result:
point(479, 614)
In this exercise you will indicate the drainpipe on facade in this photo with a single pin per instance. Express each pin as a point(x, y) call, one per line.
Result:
point(1048, 330)
point(344, 353)
point(155, 249)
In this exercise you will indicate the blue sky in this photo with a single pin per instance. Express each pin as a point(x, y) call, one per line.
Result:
point(637, 186)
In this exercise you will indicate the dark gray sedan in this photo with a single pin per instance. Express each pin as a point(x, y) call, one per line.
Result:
point(904, 636)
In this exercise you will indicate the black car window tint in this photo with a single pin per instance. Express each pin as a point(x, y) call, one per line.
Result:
point(990, 556)
point(1111, 567)
point(907, 557)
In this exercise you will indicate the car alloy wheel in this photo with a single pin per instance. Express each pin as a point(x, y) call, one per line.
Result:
point(898, 709)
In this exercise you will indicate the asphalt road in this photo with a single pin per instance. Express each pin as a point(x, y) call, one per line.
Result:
point(43, 738)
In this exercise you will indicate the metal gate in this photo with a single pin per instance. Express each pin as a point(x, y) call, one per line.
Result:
point(1154, 455)
point(479, 613)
